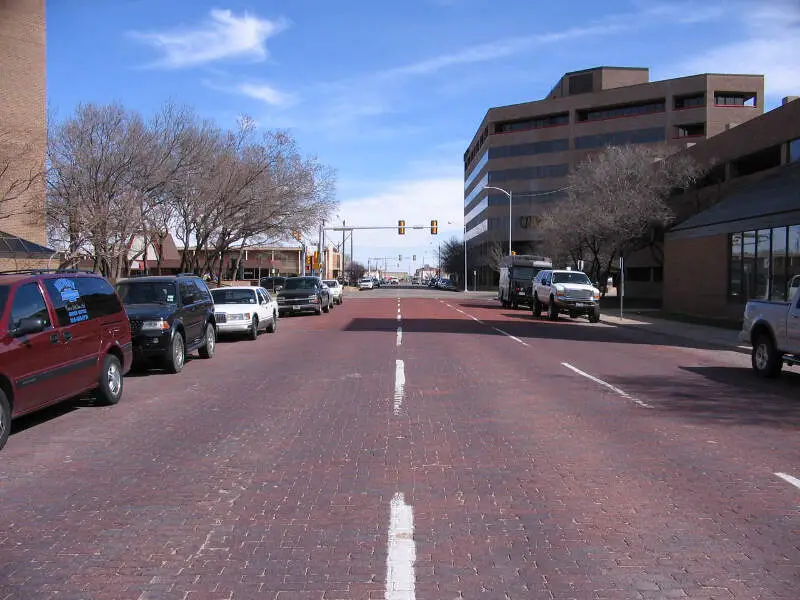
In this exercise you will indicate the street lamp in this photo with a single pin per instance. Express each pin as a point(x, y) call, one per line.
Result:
point(507, 193)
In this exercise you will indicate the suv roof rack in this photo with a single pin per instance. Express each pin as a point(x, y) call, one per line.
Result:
point(187, 275)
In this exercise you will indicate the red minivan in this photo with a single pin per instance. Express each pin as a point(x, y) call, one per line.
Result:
point(62, 333)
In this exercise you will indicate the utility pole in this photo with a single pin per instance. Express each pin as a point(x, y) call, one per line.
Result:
point(342, 256)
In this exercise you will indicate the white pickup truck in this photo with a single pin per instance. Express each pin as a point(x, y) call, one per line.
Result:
point(773, 329)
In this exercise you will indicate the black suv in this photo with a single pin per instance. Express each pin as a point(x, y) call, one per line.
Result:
point(170, 316)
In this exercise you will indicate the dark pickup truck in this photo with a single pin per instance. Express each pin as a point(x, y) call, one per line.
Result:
point(304, 294)
point(170, 316)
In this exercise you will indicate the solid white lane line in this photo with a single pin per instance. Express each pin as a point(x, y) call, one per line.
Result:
point(789, 479)
point(616, 390)
point(399, 335)
point(476, 319)
point(516, 339)
point(399, 385)
point(402, 553)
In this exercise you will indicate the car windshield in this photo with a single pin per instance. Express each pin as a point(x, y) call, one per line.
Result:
point(223, 296)
point(300, 283)
point(571, 277)
point(331, 283)
point(147, 292)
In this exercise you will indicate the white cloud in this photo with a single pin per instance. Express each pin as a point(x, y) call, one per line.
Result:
point(770, 44)
point(415, 201)
point(223, 36)
point(265, 93)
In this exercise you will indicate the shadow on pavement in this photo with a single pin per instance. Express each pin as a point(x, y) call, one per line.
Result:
point(53, 412)
point(727, 395)
point(528, 328)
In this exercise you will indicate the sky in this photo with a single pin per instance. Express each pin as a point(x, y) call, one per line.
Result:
point(389, 93)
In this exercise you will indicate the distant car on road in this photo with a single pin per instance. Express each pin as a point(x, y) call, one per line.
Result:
point(244, 309)
point(366, 283)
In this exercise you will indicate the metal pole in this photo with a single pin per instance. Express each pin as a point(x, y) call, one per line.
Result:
point(466, 281)
point(621, 286)
point(341, 270)
point(351, 246)
point(509, 223)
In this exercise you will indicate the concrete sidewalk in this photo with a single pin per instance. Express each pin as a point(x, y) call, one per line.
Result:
point(706, 334)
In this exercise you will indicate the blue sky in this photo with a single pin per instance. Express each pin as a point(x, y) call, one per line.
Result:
point(390, 92)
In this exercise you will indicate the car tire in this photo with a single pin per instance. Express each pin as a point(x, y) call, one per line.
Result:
point(252, 333)
point(109, 388)
point(208, 349)
point(552, 310)
point(326, 308)
point(594, 316)
point(5, 419)
point(765, 358)
point(273, 325)
point(318, 311)
point(176, 355)
point(536, 308)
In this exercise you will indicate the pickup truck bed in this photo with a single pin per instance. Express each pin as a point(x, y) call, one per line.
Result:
point(773, 329)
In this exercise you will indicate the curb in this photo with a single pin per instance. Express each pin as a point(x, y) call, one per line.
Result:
point(739, 349)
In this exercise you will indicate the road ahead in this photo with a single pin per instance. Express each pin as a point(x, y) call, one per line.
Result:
point(415, 448)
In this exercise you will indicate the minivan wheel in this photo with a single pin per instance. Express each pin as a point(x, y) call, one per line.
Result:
point(207, 350)
point(109, 388)
point(5, 418)
point(176, 355)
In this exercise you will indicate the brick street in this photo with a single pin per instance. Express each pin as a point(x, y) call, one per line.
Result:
point(270, 471)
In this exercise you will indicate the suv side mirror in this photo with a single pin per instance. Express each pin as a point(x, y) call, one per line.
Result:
point(28, 326)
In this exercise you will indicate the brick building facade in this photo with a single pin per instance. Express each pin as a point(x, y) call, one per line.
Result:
point(23, 134)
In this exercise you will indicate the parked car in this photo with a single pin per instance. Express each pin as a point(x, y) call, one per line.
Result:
point(773, 329)
point(273, 284)
point(303, 294)
point(170, 316)
point(243, 309)
point(565, 291)
point(366, 283)
point(337, 290)
point(447, 285)
point(63, 333)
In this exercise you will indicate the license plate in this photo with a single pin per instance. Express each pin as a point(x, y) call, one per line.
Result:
point(295, 307)
point(579, 304)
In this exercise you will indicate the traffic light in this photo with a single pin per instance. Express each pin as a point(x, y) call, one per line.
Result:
point(414, 258)
point(434, 227)
point(401, 227)
point(399, 257)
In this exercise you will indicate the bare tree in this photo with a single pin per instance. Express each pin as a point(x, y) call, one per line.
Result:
point(453, 259)
point(616, 200)
point(355, 271)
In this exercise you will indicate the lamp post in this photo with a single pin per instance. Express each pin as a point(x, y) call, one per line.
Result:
point(507, 193)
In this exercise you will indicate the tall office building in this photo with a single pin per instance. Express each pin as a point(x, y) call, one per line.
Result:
point(23, 131)
point(529, 149)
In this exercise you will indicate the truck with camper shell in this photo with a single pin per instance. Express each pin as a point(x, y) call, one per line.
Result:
point(516, 278)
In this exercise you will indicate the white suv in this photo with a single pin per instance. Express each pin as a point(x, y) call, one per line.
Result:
point(337, 291)
point(366, 283)
point(565, 291)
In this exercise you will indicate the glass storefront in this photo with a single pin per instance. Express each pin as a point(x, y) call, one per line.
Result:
point(762, 262)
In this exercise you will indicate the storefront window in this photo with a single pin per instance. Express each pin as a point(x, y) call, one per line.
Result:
point(749, 264)
point(793, 253)
point(735, 281)
point(763, 244)
point(778, 283)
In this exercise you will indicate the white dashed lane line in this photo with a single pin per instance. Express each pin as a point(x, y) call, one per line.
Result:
point(402, 552)
point(399, 336)
point(513, 337)
point(614, 389)
point(399, 385)
point(789, 479)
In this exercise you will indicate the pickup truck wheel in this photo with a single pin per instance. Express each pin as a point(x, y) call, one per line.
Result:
point(109, 386)
point(536, 308)
point(176, 355)
point(326, 308)
point(318, 311)
point(552, 310)
point(514, 305)
point(252, 333)
point(5, 418)
point(207, 350)
point(766, 359)
point(594, 316)
point(273, 325)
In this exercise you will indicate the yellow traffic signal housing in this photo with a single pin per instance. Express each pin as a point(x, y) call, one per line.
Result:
point(434, 227)
point(401, 227)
